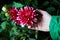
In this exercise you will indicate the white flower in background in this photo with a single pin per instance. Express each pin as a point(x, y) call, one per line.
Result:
point(4, 9)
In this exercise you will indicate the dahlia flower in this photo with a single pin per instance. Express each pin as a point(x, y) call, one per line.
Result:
point(24, 16)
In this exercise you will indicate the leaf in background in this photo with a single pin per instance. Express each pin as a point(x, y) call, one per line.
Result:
point(2, 12)
point(27, 2)
point(2, 16)
point(14, 31)
point(11, 33)
point(34, 3)
point(32, 39)
point(45, 3)
point(12, 38)
point(3, 25)
point(50, 9)
point(1, 30)
point(13, 23)
point(17, 5)
point(56, 2)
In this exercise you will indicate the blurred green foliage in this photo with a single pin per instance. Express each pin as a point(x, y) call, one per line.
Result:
point(11, 31)
point(17, 5)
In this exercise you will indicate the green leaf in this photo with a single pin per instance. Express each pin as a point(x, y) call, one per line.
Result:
point(34, 3)
point(13, 23)
point(11, 33)
point(32, 39)
point(56, 2)
point(17, 5)
point(12, 38)
point(27, 2)
point(1, 30)
point(2, 13)
point(23, 38)
point(2, 16)
point(50, 9)
point(3, 25)
point(45, 3)
point(14, 31)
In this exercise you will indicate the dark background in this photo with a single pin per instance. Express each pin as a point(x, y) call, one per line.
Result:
point(51, 6)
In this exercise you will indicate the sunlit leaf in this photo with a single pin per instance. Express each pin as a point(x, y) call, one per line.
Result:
point(3, 25)
point(17, 5)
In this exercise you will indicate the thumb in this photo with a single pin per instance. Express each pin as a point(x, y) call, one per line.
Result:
point(44, 13)
point(41, 11)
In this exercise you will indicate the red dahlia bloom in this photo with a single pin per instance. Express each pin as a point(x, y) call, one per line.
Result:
point(23, 16)
point(13, 13)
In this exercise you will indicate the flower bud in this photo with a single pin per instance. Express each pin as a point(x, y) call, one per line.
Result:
point(4, 9)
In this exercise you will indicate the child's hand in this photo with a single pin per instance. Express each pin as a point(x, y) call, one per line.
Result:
point(44, 24)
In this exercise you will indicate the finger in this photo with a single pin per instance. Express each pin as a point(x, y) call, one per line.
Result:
point(39, 28)
point(33, 28)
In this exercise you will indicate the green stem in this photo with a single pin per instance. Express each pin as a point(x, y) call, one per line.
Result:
point(36, 35)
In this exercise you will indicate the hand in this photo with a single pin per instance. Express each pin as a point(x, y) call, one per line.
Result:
point(44, 24)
